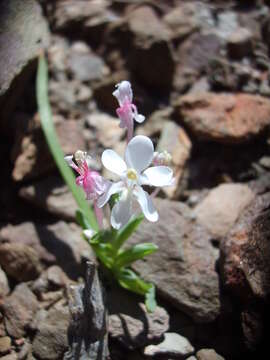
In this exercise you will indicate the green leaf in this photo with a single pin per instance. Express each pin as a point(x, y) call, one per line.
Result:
point(124, 233)
point(53, 143)
point(150, 299)
point(103, 252)
point(129, 280)
point(134, 253)
point(113, 200)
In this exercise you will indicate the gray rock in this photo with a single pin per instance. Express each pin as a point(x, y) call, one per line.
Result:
point(19, 309)
point(88, 333)
point(208, 354)
point(51, 340)
point(87, 66)
point(4, 286)
point(183, 269)
point(20, 261)
point(130, 323)
point(221, 208)
point(173, 346)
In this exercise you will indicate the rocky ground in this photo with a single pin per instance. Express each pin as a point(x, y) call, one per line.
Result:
point(200, 74)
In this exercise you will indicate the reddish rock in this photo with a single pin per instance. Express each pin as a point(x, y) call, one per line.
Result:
point(224, 118)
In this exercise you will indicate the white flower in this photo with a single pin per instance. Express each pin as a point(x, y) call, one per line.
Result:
point(133, 174)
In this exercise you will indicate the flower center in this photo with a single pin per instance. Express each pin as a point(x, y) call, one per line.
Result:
point(132, 174)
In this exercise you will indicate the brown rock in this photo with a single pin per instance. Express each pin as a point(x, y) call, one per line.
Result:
point(5, 345)
point(240, 43)
point(107, 129)
point(221, 208)
point(223, 117)
point(182, 21)
point(31, 154)
point(131, 324)
point(20, 46)
point(20, 261)
point(52, 195)
point(175, 140)
point(183, 245)
point(19, 309)
point(4, 286)
point(57, 242)
point(245, 268)
point(51, 340)
point(208, 354)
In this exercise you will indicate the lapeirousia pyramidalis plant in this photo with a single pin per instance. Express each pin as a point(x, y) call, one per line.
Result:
point(127, 198)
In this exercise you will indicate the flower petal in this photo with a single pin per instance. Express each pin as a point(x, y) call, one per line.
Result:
point(158, 176)
point(121, 212)
point(139, 153)
point(146, 204)
point(113, 189)
point(123, 92)
point(139, 118)
point(89, 233)
point(113, 162)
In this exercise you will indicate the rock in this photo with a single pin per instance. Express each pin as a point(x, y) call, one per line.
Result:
point(19, 309)
point(89, 19)
point(131, 324)
point(30, 153)
point(174, 346)
point(86, 66)
point(245, 268)
point(20, 261)
point(224, 118)
point(56, 242)
point(198, 51)
point(175, 140)
point(183, 245)
point(50, 280)
point(208, 354)
point(154, 124)
point(51, 341)
point(182, 21)
point(12, 356)
point(107, 129)
point(52, 195)
point(240, 43)
point(20, 46)
point(5, 345)
point(221, 208)
point(4, 286)
point(148, 48)
point(88, 330)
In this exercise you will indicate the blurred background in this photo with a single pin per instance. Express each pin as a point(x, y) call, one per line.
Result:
point(200, 74)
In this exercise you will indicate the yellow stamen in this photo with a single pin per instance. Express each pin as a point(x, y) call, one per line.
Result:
point(132, 174)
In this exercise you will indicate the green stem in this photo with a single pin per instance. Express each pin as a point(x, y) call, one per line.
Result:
point(53, 143)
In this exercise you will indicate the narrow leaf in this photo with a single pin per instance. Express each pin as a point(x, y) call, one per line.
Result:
point(124, 233)
point(150, 299)
point(134, 253)
point(53, 143)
